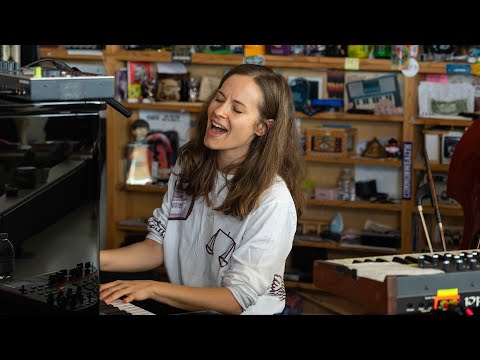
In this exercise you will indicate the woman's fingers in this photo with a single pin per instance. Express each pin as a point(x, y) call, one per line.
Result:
point(114, 291)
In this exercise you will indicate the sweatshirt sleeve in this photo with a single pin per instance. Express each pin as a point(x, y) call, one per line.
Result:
point(157, 224)
point(259, 262)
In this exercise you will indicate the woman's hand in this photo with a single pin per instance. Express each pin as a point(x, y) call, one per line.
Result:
point(132, 289)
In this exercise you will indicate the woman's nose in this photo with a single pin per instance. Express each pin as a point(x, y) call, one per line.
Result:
point(221, 109)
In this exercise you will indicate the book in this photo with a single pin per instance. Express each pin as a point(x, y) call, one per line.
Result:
point(138, 73)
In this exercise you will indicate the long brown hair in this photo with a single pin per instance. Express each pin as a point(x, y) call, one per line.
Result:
point(276, 153)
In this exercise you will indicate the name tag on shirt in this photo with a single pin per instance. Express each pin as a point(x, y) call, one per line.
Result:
point(182, 205)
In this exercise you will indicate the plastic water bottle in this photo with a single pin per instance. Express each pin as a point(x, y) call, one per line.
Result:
point(7, 257)
point(346, 186)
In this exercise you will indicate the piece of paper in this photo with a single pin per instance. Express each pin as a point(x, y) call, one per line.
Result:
point(352, 63)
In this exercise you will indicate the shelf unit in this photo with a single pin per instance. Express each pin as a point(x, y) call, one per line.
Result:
point(124, 202)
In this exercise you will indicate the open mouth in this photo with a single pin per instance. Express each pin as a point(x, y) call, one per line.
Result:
point(219, 129)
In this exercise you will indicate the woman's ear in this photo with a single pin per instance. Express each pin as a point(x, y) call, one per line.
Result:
point(262, 128)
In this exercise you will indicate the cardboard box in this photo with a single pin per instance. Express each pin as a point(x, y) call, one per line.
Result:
point(329, 141)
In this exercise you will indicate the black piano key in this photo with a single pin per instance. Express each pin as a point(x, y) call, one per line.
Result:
point(109, 309)
point(411, 259)
point(400, 260)
point(380, 260)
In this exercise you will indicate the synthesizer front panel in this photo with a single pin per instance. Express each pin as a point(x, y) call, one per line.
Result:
point(55, 85)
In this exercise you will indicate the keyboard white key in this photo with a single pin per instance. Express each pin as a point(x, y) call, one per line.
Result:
point(130, 308)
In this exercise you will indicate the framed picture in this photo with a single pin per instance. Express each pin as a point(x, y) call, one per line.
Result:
point(449, 142)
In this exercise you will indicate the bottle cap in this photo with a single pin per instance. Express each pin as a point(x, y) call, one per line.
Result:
point(3, 236)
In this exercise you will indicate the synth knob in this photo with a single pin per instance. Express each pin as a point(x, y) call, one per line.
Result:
point(50, 299)
point(23, 290)
point(73, 302)
point(448, 257)
point(446, 265)
point(435, 260)
point(459, 264)
point(473, 264)
point(421, 261)
point(69, 292)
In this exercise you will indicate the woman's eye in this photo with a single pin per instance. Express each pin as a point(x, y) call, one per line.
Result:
point(218, 99)
point(237, 111)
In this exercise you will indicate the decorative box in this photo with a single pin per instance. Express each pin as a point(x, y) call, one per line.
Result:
point(329, 141)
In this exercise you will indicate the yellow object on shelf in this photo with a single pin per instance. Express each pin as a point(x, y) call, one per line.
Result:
point(358, 51)
point(254, 50)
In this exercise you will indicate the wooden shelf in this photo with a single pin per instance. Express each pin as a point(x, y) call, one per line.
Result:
point(62, 53)
point(192, 107)
point(434, 167)
point(217, 59)
point(144, 55)
point(355, 160)
point(360, 204)
point(336, 246)
point(143, 188)
point(325, 62)
point(443, 122)
point(447, 210)
point(436, 67)
point(293, 61)
point(350, 117)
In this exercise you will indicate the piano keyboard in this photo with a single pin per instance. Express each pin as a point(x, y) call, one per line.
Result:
point(117, 307)
point(369, 102)
point(409, 283)
point(366, 94)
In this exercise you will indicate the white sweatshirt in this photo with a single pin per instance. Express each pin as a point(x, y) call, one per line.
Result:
point(206, 248)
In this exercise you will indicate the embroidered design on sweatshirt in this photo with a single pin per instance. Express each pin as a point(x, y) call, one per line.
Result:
point(278, 287)
point(225, 244)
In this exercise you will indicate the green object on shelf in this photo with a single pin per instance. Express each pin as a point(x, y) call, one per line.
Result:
point(223, 51)
point(309, 184)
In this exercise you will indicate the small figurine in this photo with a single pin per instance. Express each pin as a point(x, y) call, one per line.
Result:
point(193, 89)
point(393, 149)
point(139, 156)
point(375, 150)
point(140, 129)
